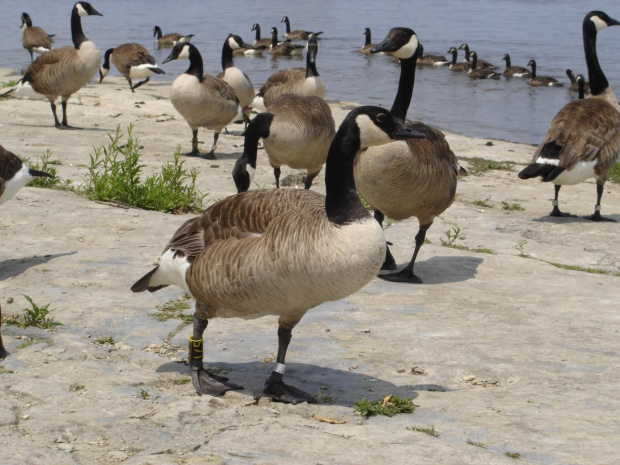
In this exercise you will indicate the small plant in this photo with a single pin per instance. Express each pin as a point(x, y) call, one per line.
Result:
point(46, 165)
point(114, 175)
point(477, 444)
point(513, 455)
point(431, 431)
point(614, 174)
point(102, 341)
point(144, 394)
point(480, 165)
point(35, 316)
point(325, 398)
point(483, 203)
point(28, 343)
point(579, 268)
point(452, 234)
point(181, 381)
point(11, 83)
point(511, 206)
point(521, 247)
point(174, 309)
point(389, 406)
point(75, 387)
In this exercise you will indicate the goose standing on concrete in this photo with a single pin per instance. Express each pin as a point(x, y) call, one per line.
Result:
point(203, 100)
point(297, 34)
point(34, 39)
point(14, 174)
point(65, 70)
point(583, 140)
point(480, 73)
point(544, 81)
point(301, 81)
point(574, 85)
point(296, 131)
point(170, 39)
point(404, 179)
point(514, 71)
point(481, 63)
point(279, 252)
point(457, 67)
point(132, 61)
point(238, 80)
point(283, 48)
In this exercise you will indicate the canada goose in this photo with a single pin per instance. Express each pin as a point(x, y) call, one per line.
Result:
point(481, 63)
point(283, 48)
point(258, 42)
point(14, 174)
point(3, 351)
point(367, 43)
point(583, 139)
point(34, 39)
point(238, 80)
point(545, 81)
point(457, 67)
point(170, 39)
point(296, 130)
point(65, 70)
point(416, 178)
point(514, 71)
point(279, 252)
point(132, 61)
point(301, 81)
point(432, 60)
point(581, 85)
point(297, 34)
point(203, 100)
point(574, 85)
point(480, 73)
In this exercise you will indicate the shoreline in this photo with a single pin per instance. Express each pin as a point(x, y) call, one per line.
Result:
point(510, 352)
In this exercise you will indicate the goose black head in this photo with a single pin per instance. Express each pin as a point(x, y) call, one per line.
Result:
point(377, 126)
point(179, 51)
point(235, 42)
point(86, 9)
point(26, 20)
point(400, 42)
point(600, 20)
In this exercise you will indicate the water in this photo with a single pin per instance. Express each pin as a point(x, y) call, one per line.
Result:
point(549, 32)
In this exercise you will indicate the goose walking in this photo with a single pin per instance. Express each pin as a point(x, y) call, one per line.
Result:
point(413, 178)
point(170, 39)
point(132, 61)
point(514, 71)
point(298, 34)
point(297, 131)
point(583, 140)
point(544, 81)
point(34, 39)
point(279, 252)
point(301, 81)
point(203, 100)
point(63, 71)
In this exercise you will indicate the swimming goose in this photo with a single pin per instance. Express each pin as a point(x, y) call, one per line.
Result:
point(283, 48)
point(14, 174)
point(481, 63)
point(258, 42)
point(583, 139)
point(65, 70)
point(34, 39)
point(297, 34)
point(432, 60)
point(296, 130)
point(480, 73)
point(545, 81)
point(170, 39)
point(574, 85)
point(279, 252)
point(301, 81)
point(581, 85)
point(417, 178)
point(367, 43)
point(203, 100)
point(238, 80)
point(457, 67)
point(132, 61)
point(514, 71)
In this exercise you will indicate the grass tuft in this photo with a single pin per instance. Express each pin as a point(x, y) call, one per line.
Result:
point(35, 316)
point(389, 406)
point(479, 165)
point(477, 444)
point(430, 430)
point(512, 206)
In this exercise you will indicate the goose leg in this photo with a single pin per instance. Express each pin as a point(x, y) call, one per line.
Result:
point(389, 263)
point(309, 179)
point(64, 124)
point(556, 210)
point(3, 352)
point(275, 388)
point(596, 216)
point(203, 381)
point(211, 154)
point(406, 275)
point(195, 152)
point(140, 83)
point(276, 173)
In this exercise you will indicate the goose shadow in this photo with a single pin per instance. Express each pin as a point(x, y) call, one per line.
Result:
point(573, 219)
point(38, 126)
point(15, 266)
point(344, 387)
point(440, 270)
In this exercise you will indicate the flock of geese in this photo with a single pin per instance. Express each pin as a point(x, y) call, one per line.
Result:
point(284, 251)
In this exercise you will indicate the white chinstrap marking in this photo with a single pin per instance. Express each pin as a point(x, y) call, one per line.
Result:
point(370, 133)
point(407, 50)
point(598, 23)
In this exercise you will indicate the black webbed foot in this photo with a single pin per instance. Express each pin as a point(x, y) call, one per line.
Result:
point(209, 383)
point(403, 276)
point(278, 391)
point(596, 216)
point(389, 263)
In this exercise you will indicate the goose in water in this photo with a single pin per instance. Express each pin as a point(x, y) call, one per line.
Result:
point(283, 48)
point(514, 71)
point(132, 61)
point(481, 63)
point(457, 67)
point(544, 81)
point(574, 85)
point(170, 39)
point(583, 140)
point(480, 73)
point(297, 34)
point(203, 100)
point(258, 42)
point(413, 178)
point(63, 71)
point(367, 43)
point(279, 252)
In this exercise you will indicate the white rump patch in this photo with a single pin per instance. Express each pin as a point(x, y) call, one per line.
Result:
point(407, 50)
point(258, 103)
point(104, 71)
point(80, 9)
point(171, 271)
point(41, 50)
point(598, 23)
point(370, 133)
point(142, 71)
point(21, 178)
point(580, 172)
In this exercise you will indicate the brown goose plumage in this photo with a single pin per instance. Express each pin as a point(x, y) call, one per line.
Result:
point(132, 61)
point(298, 34)
point(258, 41)
point(480, 73)
point(34, 39)
point(541, 81)
point(170, 39)
point(457, 67)
point(481, 63)
point(283, 48)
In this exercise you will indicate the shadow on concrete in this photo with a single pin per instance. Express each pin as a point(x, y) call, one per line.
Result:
point(14, 267)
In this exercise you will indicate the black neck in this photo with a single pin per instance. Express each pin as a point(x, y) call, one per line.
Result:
point(106, 58)
point(533, 69)
point(454, 53)
point(257, 32)
point(466, 49)
point(258, 127)
point(342, 204)
point(28, 22)
point(288, 26)
point(77, 34)
point(311, 70)
point(474, 61)
point(367, 38)
point(195, 62)
point(227, 56)
point(598, 81)
point(507, 61)
point(274, 37)
point(158, 33)
point(405, 87)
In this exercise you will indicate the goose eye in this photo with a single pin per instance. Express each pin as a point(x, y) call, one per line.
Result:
point(381, 117)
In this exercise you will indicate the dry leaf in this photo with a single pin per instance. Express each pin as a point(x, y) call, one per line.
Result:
point(387, 400)
point(331, 421)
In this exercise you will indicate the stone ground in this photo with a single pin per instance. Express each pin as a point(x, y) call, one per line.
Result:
point(497, 350)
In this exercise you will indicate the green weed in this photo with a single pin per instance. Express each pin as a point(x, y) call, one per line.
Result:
point(452, 235)
point(75, 387)
point(614, 174)
point(521, 247)
point(480, 165)
point(389, 406)
point(511, 206)
point(181, 381)
point(102, 341)
point(477, 444)
point(35, 316)
point(483, 203)
point(431, 431)
point(513, 455)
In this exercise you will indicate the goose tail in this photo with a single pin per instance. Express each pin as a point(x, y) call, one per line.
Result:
point(548, 172)
point(143, 284)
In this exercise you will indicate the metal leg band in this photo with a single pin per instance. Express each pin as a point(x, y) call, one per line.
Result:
point(555, 203)
point(280, 368)
point(597, 208)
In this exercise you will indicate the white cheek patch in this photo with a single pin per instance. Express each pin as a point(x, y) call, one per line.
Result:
point(80, 9)
point(104, 71)
point(370, 133)
point(232, 43)
point(184, 53)
point(598, 23)
point(407, 50)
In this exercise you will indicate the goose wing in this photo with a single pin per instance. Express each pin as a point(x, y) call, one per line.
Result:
point(52, 66)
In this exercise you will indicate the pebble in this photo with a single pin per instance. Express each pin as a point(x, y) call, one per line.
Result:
point(10, 300)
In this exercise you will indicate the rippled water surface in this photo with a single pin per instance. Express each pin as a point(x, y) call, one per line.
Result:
point(548, 31)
